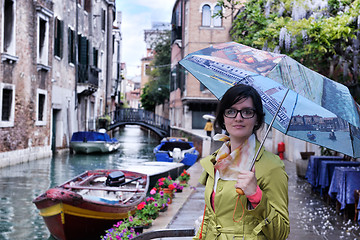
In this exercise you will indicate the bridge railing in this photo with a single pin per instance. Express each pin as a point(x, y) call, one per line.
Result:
point(140, 115)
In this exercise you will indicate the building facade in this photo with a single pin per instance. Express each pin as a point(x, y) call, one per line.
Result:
point(55, 73)
point(193, 28)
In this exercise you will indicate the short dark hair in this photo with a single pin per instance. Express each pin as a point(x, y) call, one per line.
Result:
point(234, 95)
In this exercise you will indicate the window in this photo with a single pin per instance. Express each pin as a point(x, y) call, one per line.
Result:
point(58, 37)
point(87, 5)
point(103, 20)
point(7, 105)
point(147, 69)
point(42, 39)
point(206, 16)
point(202, 87)
point(9, 27)
point(95, 57)
point(71, 46)
point(217, 19)
point(83, 44)
point(41, 107)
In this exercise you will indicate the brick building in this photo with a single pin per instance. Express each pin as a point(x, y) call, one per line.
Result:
point(25, 80)
point(55, 73)
point(193, 28)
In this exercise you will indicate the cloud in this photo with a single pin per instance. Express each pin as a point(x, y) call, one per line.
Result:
point(136, 17)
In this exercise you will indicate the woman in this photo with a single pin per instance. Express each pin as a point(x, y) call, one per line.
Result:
point(262, 212)
point(208, 127)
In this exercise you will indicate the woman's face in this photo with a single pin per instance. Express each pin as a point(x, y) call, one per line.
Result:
point(239, 128)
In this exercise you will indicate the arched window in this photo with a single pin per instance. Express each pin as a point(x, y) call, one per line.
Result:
point(206, 16)
point(217, 19)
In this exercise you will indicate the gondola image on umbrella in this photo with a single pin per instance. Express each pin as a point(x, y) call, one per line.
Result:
point(296, 99)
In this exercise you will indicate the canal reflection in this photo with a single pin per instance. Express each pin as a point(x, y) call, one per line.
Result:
point(20, 184)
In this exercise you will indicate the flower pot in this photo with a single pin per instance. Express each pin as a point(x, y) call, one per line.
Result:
point(168, 191)
point(306, 155)
point(147, 226)
point(138, 229)
point(301, 167)
point(163, 209)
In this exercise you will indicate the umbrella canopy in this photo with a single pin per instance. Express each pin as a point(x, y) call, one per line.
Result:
point(315, 109)
point(208, 117)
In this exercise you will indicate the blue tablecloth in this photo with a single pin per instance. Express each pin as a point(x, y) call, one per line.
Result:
point(327, 170)
point(358, 207)
point(343, 183)
point(313, 169)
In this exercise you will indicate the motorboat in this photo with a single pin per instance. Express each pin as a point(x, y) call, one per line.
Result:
point(176, 150)
point(93, 142)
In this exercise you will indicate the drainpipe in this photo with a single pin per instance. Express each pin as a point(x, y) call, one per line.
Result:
point(109, 41)
point(76, 52)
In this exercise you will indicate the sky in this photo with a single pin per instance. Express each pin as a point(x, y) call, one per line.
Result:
point(137, 16)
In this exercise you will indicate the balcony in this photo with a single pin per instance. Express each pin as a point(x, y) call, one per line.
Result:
point(88, 79)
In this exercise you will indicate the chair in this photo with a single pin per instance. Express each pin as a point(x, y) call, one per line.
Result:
point(356, 196)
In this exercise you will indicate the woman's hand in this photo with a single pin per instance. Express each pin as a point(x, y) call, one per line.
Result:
point(246, 180)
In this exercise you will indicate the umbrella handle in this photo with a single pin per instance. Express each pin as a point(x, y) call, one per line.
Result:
point(240, 191)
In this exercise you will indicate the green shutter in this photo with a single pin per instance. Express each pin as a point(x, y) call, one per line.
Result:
point(83, 50)
point(61, 35)
point(69, 45)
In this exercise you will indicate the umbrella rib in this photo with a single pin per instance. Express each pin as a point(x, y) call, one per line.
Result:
point(292, 113)
point(267, 131)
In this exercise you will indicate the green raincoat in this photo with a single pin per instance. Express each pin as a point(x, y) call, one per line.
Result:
point(269, 220)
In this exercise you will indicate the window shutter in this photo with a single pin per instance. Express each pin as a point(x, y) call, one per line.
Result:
point(61, 35)
point(69, 46)
point(83, 50)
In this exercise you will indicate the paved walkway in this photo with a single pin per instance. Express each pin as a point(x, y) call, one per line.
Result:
point(310, 216)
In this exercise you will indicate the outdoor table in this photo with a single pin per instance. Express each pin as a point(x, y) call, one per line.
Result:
point(343, 183)
point(327, 170)
point(358, 207)
point(313, 168)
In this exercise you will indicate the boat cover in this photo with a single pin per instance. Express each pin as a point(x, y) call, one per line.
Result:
point(91, 137)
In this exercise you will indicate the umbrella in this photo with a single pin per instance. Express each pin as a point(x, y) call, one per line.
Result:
point(297, 101)
point(208, 117)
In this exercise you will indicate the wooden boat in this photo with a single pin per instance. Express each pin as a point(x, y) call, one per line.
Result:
point(91, 142)
point(85, 206)
point(176, 150)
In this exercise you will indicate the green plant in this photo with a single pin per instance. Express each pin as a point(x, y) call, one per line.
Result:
point(148, 210)
point(162, 199)
point(132, 221)
point(120, 230)
point(165, 183)
point(184, 176)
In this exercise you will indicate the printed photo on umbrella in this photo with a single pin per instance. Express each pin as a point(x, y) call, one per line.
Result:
point(315, 109)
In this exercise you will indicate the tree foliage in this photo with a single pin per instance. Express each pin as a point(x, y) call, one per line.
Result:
point(156, 91)
point(322, 37)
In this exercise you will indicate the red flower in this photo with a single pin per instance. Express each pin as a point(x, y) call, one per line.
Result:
point(182, 174)
point(171, 186)
point(141, 205)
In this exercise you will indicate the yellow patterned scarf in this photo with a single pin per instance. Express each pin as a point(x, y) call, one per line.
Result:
point(230, 163)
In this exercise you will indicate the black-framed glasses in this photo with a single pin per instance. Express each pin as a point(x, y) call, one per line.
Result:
point(245, 113)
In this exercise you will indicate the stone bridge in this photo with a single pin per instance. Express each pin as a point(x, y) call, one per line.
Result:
point(135, 116)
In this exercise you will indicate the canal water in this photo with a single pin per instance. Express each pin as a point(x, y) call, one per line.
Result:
point(20, 184)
